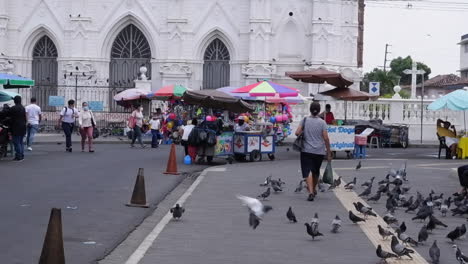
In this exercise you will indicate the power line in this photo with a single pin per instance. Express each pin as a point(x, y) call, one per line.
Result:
point(420, 5)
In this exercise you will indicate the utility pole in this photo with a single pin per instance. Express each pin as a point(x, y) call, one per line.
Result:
point(385, 60)
point(360, 40)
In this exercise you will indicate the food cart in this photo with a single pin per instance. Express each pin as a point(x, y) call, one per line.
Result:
point(253, 144)
point(341, 139)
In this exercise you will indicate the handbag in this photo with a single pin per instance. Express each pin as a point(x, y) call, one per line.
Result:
point(299, 141)
point(95, 133)
point(328, 174)
point(131, 122)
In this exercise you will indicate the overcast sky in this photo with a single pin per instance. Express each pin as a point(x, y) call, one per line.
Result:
point(424, 32)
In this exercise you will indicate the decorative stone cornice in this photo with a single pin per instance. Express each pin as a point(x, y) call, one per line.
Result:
point(175, 69)
point(258, 69)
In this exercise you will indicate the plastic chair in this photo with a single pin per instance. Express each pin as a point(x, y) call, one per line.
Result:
point(443, 145)
point(374, 142)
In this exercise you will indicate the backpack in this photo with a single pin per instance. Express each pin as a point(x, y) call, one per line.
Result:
point(211, 138)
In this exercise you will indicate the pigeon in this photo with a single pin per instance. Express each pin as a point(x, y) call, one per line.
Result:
point(276, 187)
point(315, 220)
point(254, 220)
point(461, 258)
point(366, 192)
point(351, 183)
point(445, 206)
point(384, 232)
point(430, 225)
point(384, 181)
point(336, 224)
point(368, 183)
point(312, 231)
point(354, 218)
point(403, 227)
point(405, 189)
point(463, 229)
point(454, 234)
point(300, 186)
point(291, 216)
point(408, 202)
point(436, 221)
point(358, 166)
point(375, 198)
point(389, 204)
point(405, 238)
point(434, 253)
point(400, 249)
point(177, 211)
point(423, 234)
point(413, 206)
point(265, 194)
point(390, 219)
point(337, 182)
point(384, 255)
point(267, 181)
point(383, 188)
point(364, 209)
point(254, 205)
point(422, 214)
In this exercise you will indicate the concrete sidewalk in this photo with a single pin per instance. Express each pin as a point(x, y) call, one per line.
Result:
point(60, 139)
point(215, 226)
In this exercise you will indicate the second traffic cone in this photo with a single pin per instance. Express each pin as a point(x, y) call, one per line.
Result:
point(172, 163)
point(139, 192)
point(52, 250)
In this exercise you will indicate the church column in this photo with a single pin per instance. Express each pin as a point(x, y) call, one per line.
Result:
point(259, 66)
point(3, 25)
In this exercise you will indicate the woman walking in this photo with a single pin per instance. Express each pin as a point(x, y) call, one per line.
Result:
point(316, 146)
point(87, 123)
point(137, 120)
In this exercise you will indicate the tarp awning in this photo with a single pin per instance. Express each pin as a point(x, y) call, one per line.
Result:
point(218, 100)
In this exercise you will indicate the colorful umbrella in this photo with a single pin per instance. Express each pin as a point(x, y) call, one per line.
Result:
point(173, 91)
point(299, 99)
point(267, 88)
point(6, 96)
point(14, 81)
point(131, 94)
point(229, 90)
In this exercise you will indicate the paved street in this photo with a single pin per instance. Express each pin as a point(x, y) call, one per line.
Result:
point(97, 184)
point(215, 227)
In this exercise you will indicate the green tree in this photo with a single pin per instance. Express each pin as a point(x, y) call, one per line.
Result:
point(400, 64)
point(387, 81)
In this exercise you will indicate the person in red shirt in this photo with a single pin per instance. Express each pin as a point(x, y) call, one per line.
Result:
point(328, 115)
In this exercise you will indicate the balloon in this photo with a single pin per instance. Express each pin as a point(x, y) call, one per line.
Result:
point(285, 117)
point(246, 119)
point(180, 123)
point(208, 118)
point(273, 119)
point(187, 160)
point(170, 125)
point(279, 118)
point(172, 116)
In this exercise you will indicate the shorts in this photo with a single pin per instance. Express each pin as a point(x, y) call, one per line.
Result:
point(311, 163)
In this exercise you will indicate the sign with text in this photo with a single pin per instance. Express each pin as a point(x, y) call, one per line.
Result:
point(96, 105)
point(341, 137)
point(56, 101)
point(374, 88)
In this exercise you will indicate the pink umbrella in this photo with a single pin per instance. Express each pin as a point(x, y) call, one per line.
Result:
point(131, 94)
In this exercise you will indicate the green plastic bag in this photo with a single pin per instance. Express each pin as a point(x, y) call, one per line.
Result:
point(328, 174)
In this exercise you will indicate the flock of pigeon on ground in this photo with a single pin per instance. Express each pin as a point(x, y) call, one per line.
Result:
point(394, 188)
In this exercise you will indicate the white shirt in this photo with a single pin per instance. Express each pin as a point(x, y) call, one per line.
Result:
point(187, 130)
point(238, 128)
point(85, 118)
point(33, 111)
point(139, 118)
point(155, 124)
point(69, 114)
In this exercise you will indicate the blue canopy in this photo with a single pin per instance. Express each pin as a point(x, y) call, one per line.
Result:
point(457, 100)
point(15, 81)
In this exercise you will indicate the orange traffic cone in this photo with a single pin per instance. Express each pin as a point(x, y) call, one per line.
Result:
point(172, 163)
point(139, 193)
point(52, 250)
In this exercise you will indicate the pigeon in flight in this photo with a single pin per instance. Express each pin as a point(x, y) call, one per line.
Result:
point(291, 216)
point(358, 166)
point(384, 233)
point(384, 255)
point(177, 211)
point(312, 230)
point(354, 218)
point(400, 249)
point(336, 224)
point(265, 194)
point(254, 205)
point(434, 253)
point(254, 220)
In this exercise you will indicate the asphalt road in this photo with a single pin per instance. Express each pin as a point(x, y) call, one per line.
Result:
point(91, 189)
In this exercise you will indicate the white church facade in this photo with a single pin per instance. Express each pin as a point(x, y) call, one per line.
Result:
point(202, 44)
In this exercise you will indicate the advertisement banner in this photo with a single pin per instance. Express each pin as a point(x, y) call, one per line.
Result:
point(224, 144)
point(341, 137)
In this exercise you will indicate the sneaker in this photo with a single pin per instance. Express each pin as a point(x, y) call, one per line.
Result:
point(91, 150)
point(29, 148)
point(132, 146)
point(311, 197)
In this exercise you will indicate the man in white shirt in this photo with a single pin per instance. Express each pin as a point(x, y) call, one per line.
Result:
point(241, 125)
point(155, 124)
point(34, 116)
point(67, 121)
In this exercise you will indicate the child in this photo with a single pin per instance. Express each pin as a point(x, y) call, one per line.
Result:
point(155, 124)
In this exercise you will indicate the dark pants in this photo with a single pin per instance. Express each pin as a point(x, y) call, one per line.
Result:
point(68, 130)
point(311, 163)
point(19, 146)
point(155, 136)
point(137, 135)
point(463, 175)
point(185, 144)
